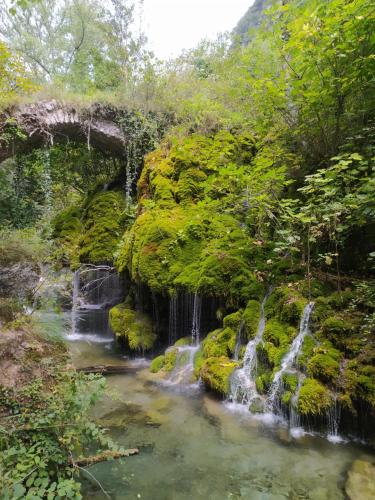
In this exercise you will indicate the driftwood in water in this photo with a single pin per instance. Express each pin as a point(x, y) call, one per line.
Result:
point(106, 369)
point(103, 457)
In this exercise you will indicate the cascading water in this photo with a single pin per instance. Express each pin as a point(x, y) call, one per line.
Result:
point(173, 315)
point(196, 322)
point(238, 341)
point(75, 298)
point(296, 429)
point(95, 289)
point(289, 359)
point(333, 417)
point(243, 388)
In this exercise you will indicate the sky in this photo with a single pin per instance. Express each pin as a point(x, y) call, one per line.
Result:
point(174, 25)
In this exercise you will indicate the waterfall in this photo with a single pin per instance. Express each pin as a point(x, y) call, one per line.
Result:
point(173, 311)
point(289, 359)
point(196, 323)
point(183, 373)
point(243, 389)
point(296, 429)
point(95, 290)
point(75, 298)
point(333, 417)
point(238, 341)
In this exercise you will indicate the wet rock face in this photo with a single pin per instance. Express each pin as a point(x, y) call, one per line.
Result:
point(360, 484)
point(47, 121)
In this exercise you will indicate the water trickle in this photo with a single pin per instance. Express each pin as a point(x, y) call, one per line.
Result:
point(183, 373)
point(296, 429)
point(238, 341)
point(173, 315)
point(289, 359)
point(75, 299)
point(196, 322)
point(333, 417)
point(243, 388)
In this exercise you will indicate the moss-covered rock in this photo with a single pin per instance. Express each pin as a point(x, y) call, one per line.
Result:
point(102, 221)
point(251, 317)
point(132, 326)
point(216, 372)
point(287, 304)
point(67, 229)
point(277, 338)
point(325, 363)
point(314, 398)
point(178, 241)
point(157, 364)
point(219, 343)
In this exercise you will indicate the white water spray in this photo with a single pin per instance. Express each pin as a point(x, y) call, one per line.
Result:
point(290, 357)
point(243, 388)
point(196, 323)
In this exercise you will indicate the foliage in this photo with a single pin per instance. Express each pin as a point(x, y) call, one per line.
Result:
point(102, 225)
point(47, 428)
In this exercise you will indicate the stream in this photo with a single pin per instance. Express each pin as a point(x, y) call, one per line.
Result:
point(193, 446)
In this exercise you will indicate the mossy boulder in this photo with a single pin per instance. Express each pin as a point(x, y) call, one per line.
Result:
point(182, 238)
point(251, 317)
point(287, 304)
point(102, 227)
point(325, 363)
point(67, 230)
point(314, 398)
point(216, 373)
point(277, 338)
point(157, 364)
point(133, 327)
point(220, 342)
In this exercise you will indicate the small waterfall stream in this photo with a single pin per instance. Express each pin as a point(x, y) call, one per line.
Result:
point(290, 357)
point(296, 429)
point(95, 290)
point(243, 388)
point(75, 299)
point(173, 318)
point(196, 322)
point(238, 341)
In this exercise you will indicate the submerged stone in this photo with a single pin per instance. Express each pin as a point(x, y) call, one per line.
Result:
point(360, 484)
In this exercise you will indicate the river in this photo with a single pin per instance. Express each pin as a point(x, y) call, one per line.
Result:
point(194, 446)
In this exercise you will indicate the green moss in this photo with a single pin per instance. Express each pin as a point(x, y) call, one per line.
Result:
point(307, 350)
point(216, 372)
point(102, 227)
point(286, 304)
point(233, 320)
point(277, 338)
point(251, 317)
point(219, 343)
point(286, 397)
point(170, 359)
point(178, 242)
point(263, 382)
point(157, 364)
point(325, 364)
point(67, 229)
point(183, 342)
point(314, 398)
point(132, 326)
point(198, 362)
point(290, 381)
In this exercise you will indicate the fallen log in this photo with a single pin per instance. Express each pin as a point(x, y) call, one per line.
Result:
point(102, 457)
point(106, 369)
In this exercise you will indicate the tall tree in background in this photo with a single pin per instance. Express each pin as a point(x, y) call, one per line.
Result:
point(81, 44)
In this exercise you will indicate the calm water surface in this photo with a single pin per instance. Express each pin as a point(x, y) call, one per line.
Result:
point(193, 446)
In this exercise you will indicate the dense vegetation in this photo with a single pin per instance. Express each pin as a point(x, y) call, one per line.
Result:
point(249, 163)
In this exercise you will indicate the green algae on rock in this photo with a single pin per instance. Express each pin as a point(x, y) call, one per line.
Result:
point(216, 372)
point(132, 326)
